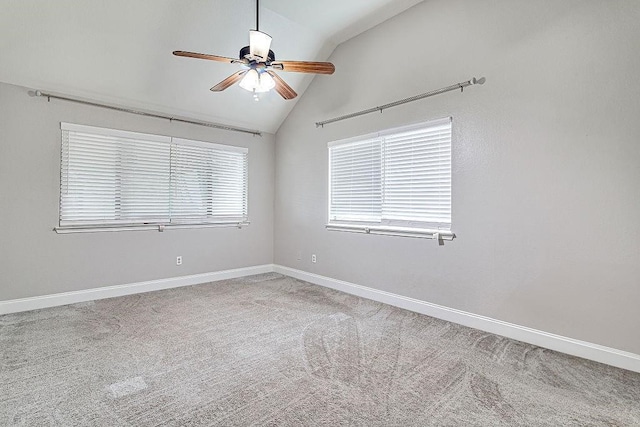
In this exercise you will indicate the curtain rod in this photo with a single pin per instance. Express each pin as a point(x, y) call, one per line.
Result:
point(50, 96)
point(456, 86)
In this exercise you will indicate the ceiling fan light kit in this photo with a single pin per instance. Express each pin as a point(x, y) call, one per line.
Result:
point(256, 82)
point(257, 61)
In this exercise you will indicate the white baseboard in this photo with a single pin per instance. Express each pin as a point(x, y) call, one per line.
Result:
point(586, 350)
point(34, 303)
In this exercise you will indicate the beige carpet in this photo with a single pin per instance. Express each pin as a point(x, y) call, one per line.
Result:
point(271, 350)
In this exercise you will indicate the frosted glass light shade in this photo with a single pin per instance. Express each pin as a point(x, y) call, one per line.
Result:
point(266, 83)
point(257, 82)
point(250, 81)
point(259, 44)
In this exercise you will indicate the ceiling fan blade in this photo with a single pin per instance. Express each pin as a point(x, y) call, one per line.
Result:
point(203, 56)
point(305, 67)
point(229, 81)
point(282, 87)
point(259, 44)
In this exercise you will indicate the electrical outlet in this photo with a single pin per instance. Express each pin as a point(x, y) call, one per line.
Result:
point(313, 258)
point(178, 260)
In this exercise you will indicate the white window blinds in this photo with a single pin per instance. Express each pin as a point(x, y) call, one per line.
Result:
point(400, 177)
point(356, 186)
point(417, 174)
point(207, 183)
point(110, 177)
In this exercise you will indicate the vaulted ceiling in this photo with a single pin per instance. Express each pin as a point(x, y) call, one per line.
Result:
point(119, 51)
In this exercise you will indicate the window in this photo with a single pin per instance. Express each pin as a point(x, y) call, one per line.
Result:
point(112, 178)
point(393, 182)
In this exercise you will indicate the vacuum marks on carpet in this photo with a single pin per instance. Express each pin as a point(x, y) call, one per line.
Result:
point(272, 350)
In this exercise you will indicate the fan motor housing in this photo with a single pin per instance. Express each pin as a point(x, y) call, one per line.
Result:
point(246, 51)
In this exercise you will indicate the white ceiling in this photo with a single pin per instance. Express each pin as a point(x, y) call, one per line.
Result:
point(119, 51)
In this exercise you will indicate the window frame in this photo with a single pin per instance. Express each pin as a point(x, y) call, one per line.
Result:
point(170, 222)
point(404, 228)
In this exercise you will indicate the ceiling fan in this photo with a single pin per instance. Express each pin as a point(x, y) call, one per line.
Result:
point(258, 62)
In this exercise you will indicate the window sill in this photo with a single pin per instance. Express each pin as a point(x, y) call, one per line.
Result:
point(156, 227)
point(394, 231)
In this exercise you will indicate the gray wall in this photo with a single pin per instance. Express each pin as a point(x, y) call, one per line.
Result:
point(546, 162)
point(34, 260)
